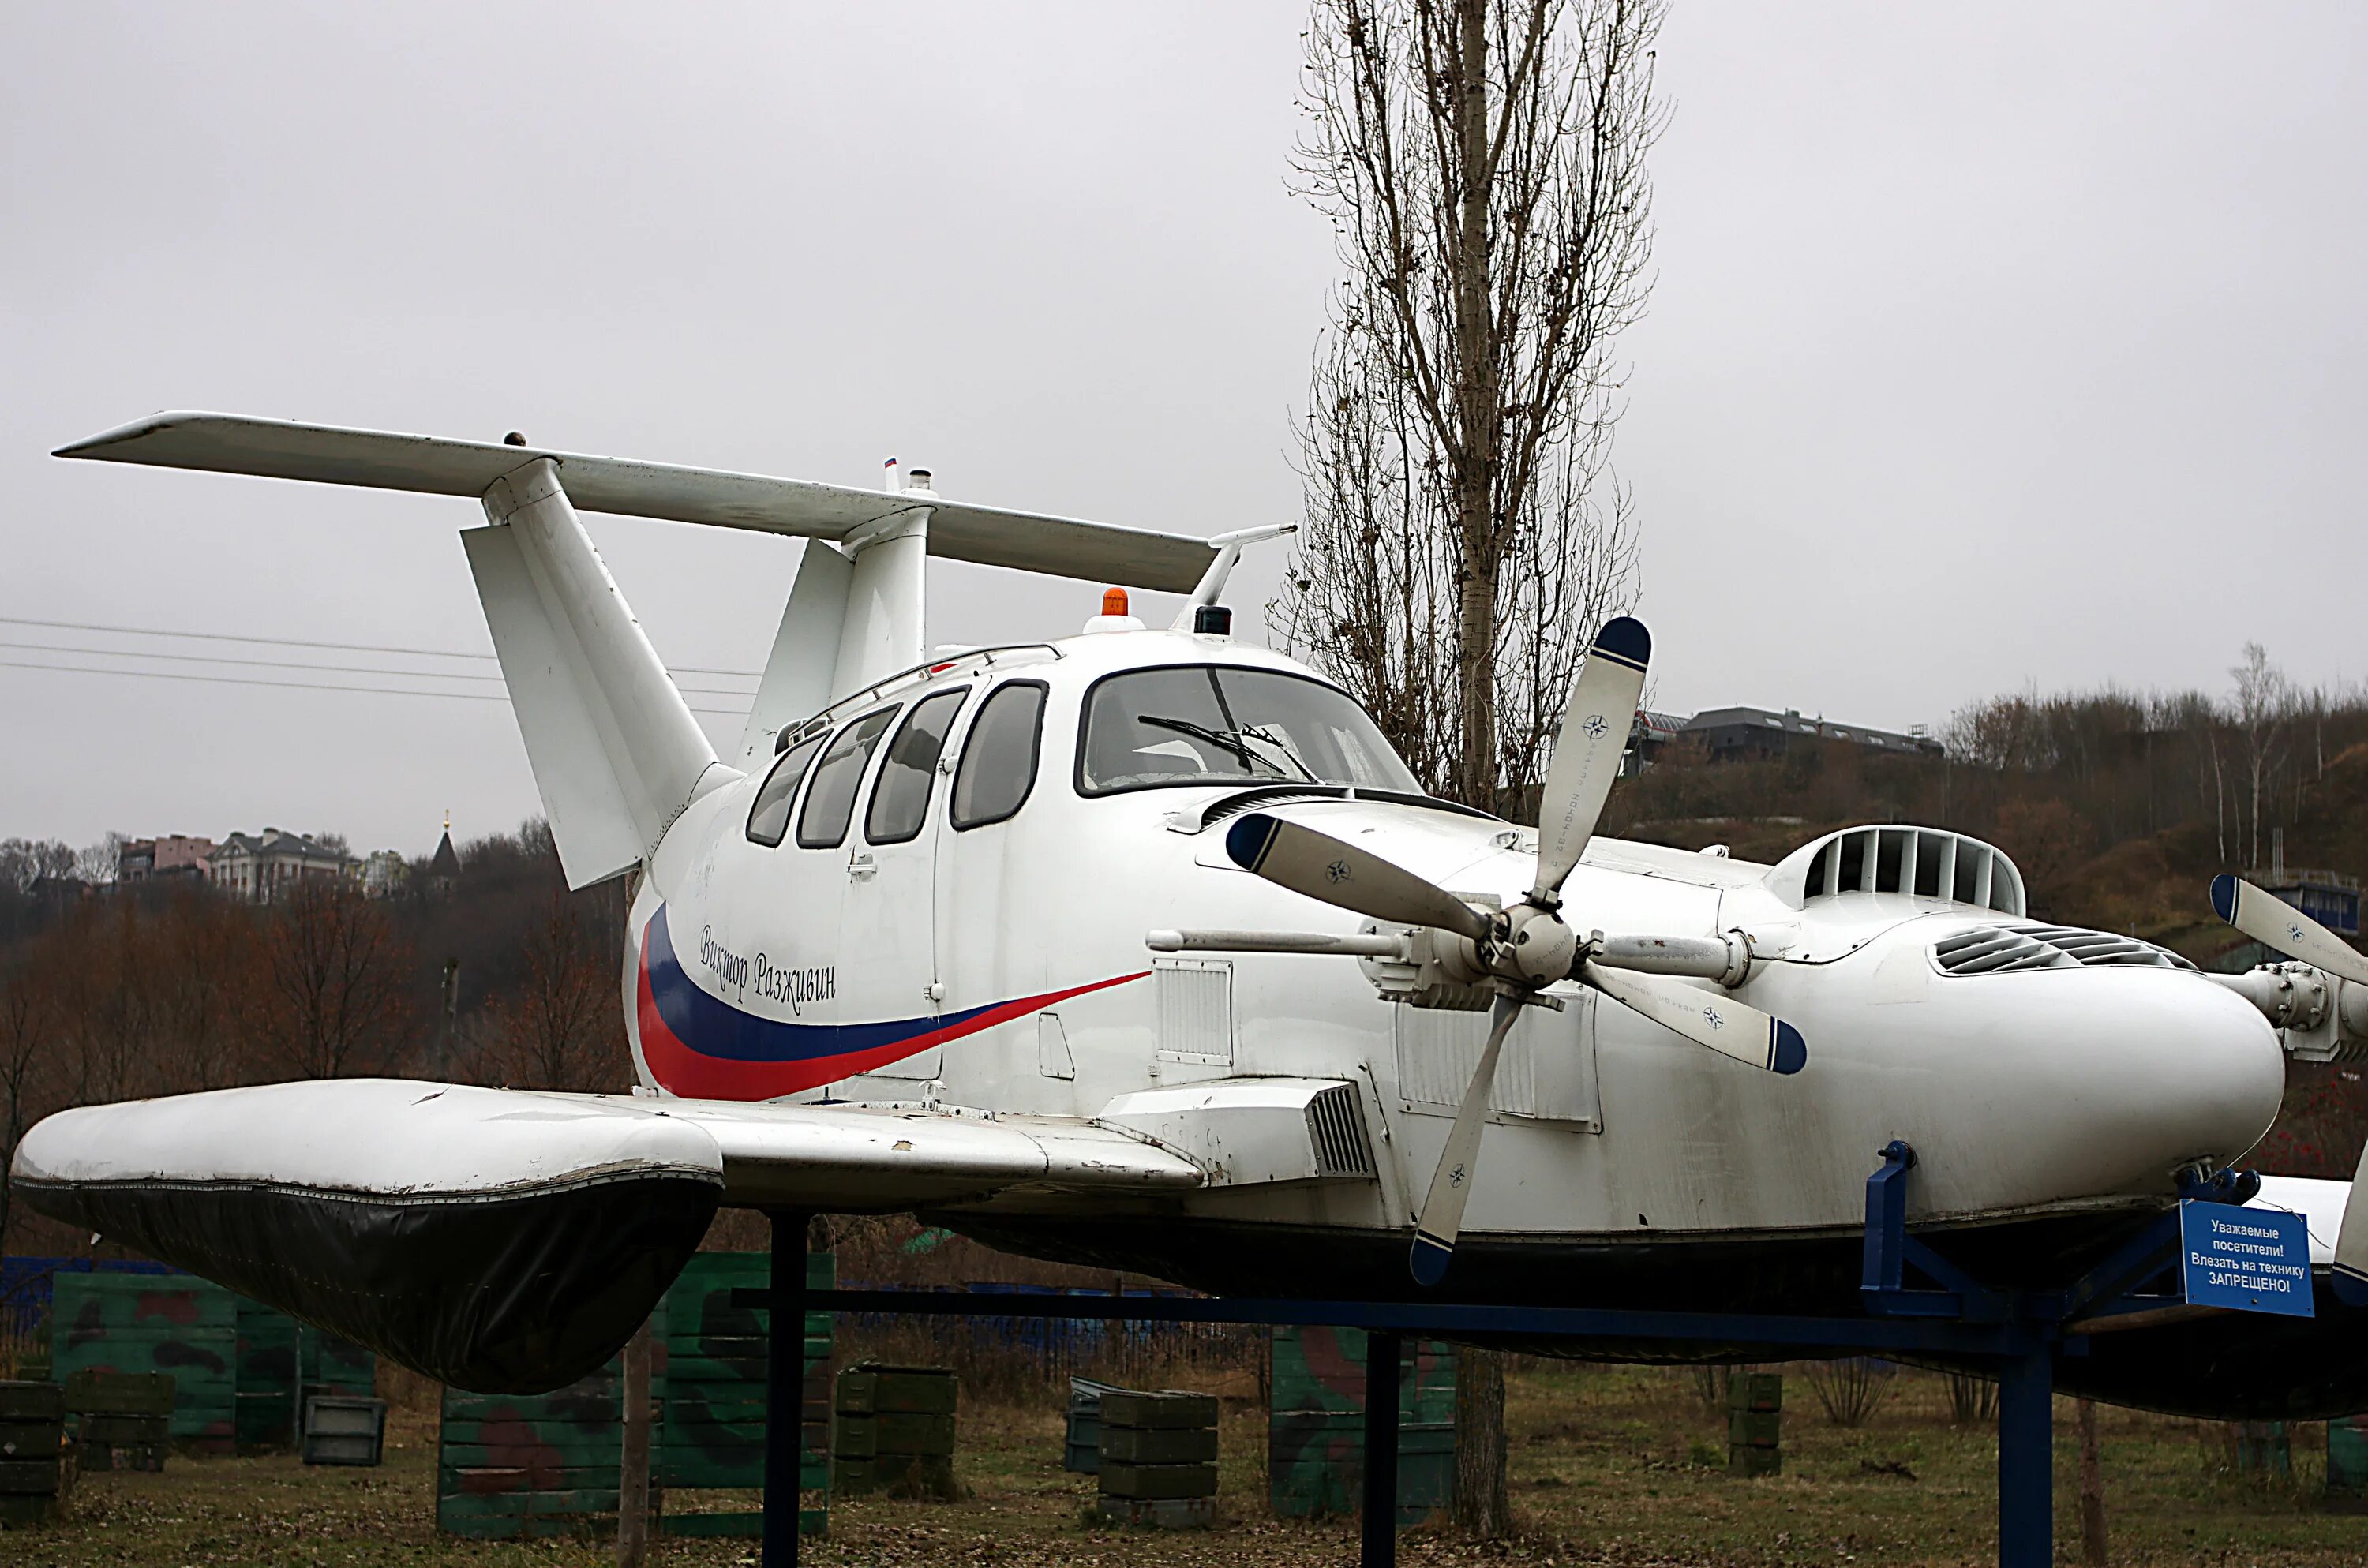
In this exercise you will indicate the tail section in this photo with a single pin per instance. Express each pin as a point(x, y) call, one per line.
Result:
point(854, 615)
point(614, 748)
point(615, 751)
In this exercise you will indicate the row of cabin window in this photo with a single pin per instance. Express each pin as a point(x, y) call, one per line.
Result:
point(997, 769)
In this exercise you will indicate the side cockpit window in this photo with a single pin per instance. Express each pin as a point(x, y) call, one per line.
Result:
point(998, 762)
point(768, 819)
point(900, 798)
point(830, 805)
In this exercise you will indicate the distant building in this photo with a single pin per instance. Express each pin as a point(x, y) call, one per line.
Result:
point(170, 854)
point(1738, 734)
point(265, 866)
point(444, 866)
point(383, 874)
point(1648, 736)
point(2328, 897)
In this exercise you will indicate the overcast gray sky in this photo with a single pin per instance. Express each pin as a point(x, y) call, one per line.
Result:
point(1992, 344)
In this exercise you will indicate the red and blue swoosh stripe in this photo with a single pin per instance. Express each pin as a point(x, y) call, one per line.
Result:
point(702, 1047)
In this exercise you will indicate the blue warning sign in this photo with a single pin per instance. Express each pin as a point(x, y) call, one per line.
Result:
point(2256, 1260)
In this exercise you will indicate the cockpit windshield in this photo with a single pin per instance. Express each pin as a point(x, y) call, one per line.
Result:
point(1212, 724)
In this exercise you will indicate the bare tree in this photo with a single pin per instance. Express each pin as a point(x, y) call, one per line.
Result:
point(333, 998)
point(2264, 702)
point(25, 1034)
point(559, 1029)
point(24, 861)
point(1483, 164)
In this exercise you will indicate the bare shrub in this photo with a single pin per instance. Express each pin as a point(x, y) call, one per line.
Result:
point(1972, 1400)
point(1850, 1390)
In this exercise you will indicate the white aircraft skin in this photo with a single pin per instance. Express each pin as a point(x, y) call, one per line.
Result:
point(1063, 1026)
point(2027, 1096)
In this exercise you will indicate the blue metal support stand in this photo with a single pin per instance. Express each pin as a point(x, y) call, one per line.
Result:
point(785, 1369)
point(2026, 1464)
point(1385, 1369)
point(2020, 1333)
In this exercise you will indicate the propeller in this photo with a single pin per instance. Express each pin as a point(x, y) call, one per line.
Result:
point(1436, 1227)
point(1517, 952)
point(2276, 924)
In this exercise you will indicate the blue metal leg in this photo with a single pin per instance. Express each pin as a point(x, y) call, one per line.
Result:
point(2027, 1461)
point(785, 1368)
point(1383, 1355)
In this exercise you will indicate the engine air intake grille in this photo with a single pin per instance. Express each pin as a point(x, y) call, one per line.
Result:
point(1996, 949)
point(1337, 1131)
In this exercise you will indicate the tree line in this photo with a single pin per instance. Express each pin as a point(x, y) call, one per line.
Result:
point(502, 977)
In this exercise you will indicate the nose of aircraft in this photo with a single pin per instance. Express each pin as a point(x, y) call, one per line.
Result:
point(2060, 1085)
point(2145, 1070)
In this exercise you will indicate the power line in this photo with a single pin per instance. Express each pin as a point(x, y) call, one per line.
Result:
point(299, 685)
point(302, 642)
point(302, 664)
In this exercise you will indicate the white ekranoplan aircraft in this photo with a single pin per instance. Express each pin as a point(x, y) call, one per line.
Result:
point(1045, 942)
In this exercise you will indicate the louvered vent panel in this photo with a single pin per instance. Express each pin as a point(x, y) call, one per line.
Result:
point(1337, 1131)
point(1195, 1002)
point(1987, 949)
point(2103, 948)
point(1996, 949)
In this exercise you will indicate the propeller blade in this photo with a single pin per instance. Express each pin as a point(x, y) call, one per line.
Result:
point(1343, 875)
point(2350, 1279)
point(1722, 1023)
point(1435, 1228)
point(1587, 752)
point(2276, 924)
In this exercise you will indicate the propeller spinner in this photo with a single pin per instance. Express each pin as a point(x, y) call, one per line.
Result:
point(1514, 952)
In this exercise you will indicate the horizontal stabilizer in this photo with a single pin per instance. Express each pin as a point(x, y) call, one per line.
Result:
point(1026, 541)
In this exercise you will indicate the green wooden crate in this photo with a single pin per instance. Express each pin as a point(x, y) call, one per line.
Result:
point(510, 1467)
point(713, 1433)
point(328, 1364)
point(266, 1378)
point(2347, 1463)
point(1324, 1368)
point(175, 1325)
point(1315, 1426)
point(861, 1436)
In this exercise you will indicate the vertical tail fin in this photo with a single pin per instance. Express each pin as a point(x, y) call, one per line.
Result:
point(615, 751)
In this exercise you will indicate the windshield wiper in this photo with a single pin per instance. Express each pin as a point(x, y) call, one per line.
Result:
point(1226, 741)
point(1264, 734)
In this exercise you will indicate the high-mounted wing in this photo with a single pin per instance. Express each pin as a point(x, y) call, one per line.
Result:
point(993, 536)
point(508, 1241)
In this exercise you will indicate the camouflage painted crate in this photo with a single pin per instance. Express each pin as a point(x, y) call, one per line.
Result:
point(712, 1366)
point(329, 1366)
point(1316, 1465)
point(170, 1323)
point(1315, 1426)
point(266, 1378)
point(545, 1465)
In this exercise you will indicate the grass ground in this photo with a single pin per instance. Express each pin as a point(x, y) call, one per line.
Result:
point(1617, 1465)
